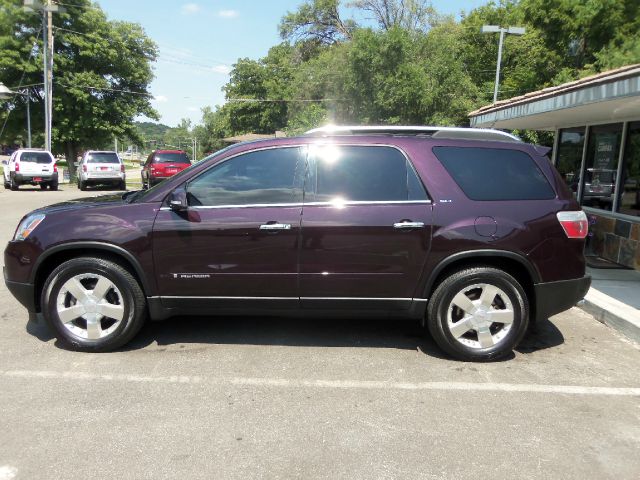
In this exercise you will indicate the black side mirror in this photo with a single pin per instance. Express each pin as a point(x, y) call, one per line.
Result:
point(178, 200)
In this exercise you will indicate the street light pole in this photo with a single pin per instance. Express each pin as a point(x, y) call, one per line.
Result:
point(502, 31)
point(8, 93)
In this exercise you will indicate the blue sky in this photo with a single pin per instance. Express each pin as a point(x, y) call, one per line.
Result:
point(199, 40)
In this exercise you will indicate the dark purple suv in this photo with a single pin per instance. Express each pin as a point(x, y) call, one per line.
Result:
point(472, 232)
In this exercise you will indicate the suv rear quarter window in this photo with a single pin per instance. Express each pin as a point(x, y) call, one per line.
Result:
point(495, 173)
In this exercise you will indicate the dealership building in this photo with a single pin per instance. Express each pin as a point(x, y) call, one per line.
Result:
point(596, 121)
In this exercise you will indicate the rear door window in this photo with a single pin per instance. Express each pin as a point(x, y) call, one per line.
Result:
point(35, 157)
point(102, 157)
point(363, 174)
point(171, 158)
point(495, 173)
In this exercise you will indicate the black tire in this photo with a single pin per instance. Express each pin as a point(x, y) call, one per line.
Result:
point(54, 185)
point(132, 298)
point(144, 184)
point(7, 185)
point(82, 185)
point(441, 301)
point(122, 185)
point(13, 185)
point(43, 186)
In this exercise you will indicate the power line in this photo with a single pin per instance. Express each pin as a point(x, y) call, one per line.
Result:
point(89, 87)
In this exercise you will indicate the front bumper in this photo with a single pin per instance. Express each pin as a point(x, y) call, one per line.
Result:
point(24, 292)
point(555, 297)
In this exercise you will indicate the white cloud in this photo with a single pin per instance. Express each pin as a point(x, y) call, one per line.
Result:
point(161, 99)
point(190, 8)
point(228, 13)
point(224, 69)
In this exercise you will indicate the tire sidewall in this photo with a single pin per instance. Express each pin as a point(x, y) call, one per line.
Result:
point(518, 300)
point(78, 267)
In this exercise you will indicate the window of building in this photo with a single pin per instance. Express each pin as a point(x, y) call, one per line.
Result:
point(261, 177)
point(364, 173)
point(495, 173)
point(601, 166)
point(629, 191)
point(569, 155)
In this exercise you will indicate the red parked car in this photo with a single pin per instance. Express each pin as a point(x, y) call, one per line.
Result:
point(162, 164)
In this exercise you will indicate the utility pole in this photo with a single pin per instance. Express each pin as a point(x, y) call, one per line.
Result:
point(48, 9)
point(496, 29)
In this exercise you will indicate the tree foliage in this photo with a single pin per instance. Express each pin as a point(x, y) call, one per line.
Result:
point(102, 71)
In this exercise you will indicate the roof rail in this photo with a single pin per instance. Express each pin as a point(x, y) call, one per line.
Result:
point(433, 132)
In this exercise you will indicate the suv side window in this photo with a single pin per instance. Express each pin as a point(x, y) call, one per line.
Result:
point(495, 173)
point(261, 177)
point(364, 173)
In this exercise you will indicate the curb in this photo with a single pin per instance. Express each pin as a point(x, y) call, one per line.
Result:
point(613, 313)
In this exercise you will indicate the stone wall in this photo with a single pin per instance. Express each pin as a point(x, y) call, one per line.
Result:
point(614, 239)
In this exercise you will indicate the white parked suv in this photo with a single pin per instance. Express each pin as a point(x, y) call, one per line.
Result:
point(29, 166)
point(101, 167)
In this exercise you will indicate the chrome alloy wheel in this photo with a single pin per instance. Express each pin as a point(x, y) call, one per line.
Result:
point(90, 306)
point(480, 316)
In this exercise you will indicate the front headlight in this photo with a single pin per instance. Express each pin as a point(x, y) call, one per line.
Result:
point(27, 226)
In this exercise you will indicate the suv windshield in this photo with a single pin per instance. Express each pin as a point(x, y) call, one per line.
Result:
point(102, 157)
point(171, 158)
point(35, 157)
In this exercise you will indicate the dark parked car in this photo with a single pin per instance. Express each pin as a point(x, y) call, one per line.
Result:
point(162, 164)
point(471, 232)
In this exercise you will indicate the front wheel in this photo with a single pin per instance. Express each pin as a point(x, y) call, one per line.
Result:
point(478, 314)
point(93, 305)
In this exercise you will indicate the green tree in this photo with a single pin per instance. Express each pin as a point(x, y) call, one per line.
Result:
point(102, 72)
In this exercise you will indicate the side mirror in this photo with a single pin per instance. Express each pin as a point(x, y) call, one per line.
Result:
point(5, 162)
point(178, 201)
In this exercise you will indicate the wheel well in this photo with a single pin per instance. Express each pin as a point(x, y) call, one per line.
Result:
point(514, 268)
point(56, 259)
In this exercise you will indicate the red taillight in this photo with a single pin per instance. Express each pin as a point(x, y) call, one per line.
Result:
point(574, 224)
point(84, 167)
point(122, 167)
point(55, 168)
point(17, 167)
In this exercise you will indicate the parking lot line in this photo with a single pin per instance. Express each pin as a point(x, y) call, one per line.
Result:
point(329, 384)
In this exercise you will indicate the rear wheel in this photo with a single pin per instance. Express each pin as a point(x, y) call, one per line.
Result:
point(43, 186)
point(478, 314)
point(13, 184)
point(82, 185)
point(54, 185)
point(93, 304)
point(122, 185)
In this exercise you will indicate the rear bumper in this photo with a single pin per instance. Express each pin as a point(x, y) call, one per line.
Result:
point(555, 297)
point(28, 177)
point(24, 292)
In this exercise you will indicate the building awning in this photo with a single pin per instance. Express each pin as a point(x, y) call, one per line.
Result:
point(608, 96)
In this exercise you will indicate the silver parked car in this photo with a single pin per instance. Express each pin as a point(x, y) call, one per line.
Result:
point(101, 167)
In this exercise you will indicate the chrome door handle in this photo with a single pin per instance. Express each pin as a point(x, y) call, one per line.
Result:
point(275, 226)
point(406, 225)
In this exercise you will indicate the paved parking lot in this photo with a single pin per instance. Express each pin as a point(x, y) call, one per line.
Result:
point(295, 398)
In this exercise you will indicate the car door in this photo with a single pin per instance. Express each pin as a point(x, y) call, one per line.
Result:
point(366, 229)
point(237, 244)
